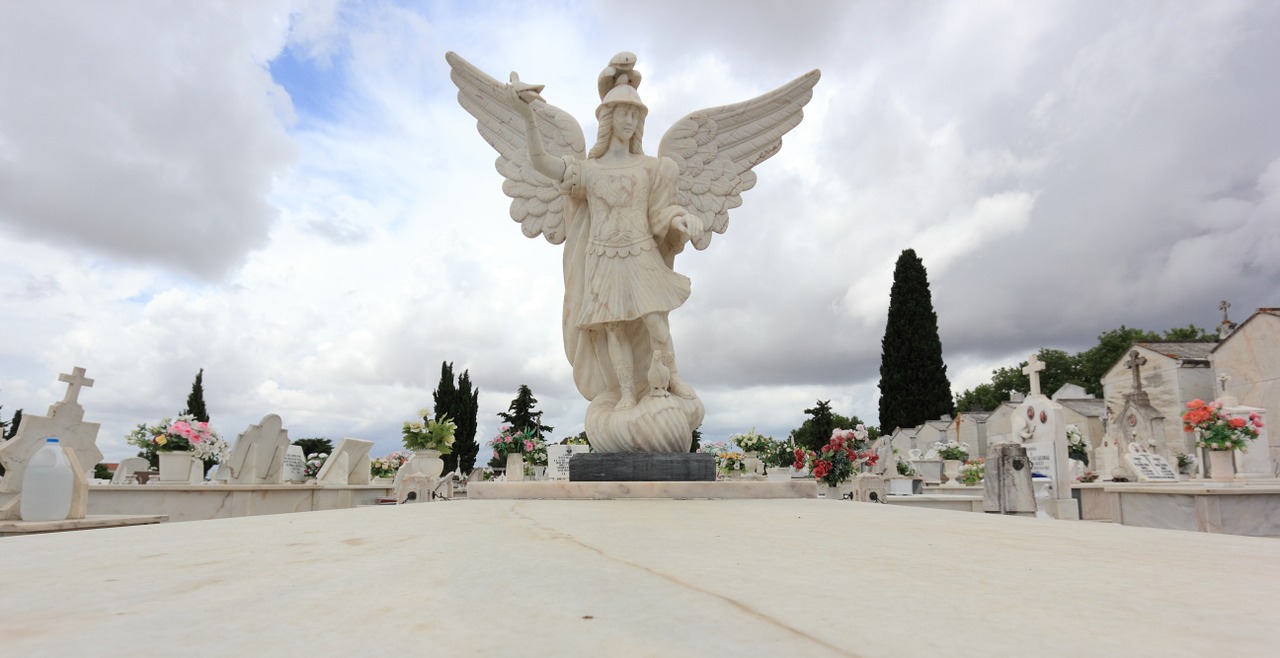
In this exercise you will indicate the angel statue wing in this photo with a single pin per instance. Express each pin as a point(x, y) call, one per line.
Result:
point(717, 147)
point(536, 201)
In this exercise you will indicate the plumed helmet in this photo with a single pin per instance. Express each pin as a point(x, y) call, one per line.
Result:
point(623, 93)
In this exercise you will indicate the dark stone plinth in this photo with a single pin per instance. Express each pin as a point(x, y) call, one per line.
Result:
point(642, 467)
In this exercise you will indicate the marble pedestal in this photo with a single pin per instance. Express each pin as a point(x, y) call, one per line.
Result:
point(642, 467)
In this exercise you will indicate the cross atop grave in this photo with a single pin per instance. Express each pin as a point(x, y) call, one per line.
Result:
point(1034, 366)
point(74, 382)
point(1223, 307)
point(65, 421)
point(1135, 364)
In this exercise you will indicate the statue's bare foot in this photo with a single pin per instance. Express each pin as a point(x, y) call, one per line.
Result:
point(628, 400)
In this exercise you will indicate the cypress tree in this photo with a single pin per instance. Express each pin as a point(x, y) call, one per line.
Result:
point(462, 405)
point(13, 425)
point(195, 400)
point(913, 379)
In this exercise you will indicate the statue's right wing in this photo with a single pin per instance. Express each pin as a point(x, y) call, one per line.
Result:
point(536, 200)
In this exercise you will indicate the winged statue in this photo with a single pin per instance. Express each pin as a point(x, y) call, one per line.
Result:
point(622, 217)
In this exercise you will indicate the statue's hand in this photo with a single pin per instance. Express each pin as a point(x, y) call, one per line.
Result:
point(521, 94)
point(690, 225)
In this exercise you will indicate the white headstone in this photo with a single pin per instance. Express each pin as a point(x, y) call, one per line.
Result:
point(1148, 466)
point(258, 454)
point(349, 463)
point(558, 457)
point(1039, 425)
point(127, 467)
point(65, 422)
point(295, 464)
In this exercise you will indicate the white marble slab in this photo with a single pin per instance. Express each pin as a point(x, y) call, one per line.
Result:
point(639, 567)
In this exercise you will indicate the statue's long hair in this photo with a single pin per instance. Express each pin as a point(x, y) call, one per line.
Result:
point(605, 133)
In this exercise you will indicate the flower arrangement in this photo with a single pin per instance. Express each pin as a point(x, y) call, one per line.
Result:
point(730, 462)
point(536, 454)
point(1217, 432)
point(1088, 476)
point(951, 450)
point(834, 462)
point(751, 441)
point(386, 467)
point(1075, 441)
point(779, 454)
point(579, 440)
point(1186, 463)
point(314, 461)
point(510, 441)
point(433, 435)
point(186, 434)
point(728, 459)
point(905, 468)
point(973, 471)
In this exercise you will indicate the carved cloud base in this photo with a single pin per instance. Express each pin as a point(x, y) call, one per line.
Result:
point(655, 424)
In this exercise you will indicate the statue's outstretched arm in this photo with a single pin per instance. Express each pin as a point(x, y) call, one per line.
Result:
point(520, 98)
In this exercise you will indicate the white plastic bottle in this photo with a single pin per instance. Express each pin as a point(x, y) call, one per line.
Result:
point(47, 485)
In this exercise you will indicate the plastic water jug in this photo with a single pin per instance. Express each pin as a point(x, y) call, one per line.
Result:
point(47, 485)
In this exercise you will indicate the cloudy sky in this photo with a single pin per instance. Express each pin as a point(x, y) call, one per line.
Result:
point(289, 196)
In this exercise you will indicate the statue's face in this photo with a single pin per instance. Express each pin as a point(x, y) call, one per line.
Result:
point(625, 120)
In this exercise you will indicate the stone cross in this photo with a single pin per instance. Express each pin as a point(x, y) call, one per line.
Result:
point(74, 381)
point(1223, 307)
point(1135, 364)
point(64, 421)
point(1222, 381)
point(1034, 366)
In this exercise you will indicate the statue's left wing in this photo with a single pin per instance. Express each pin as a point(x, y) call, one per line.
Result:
point(716, 149)
point(536, 201)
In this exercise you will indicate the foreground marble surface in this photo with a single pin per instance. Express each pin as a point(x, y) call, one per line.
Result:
point(637, 578)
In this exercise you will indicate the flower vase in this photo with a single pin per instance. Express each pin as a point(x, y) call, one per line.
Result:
point(751, 460)
point(427, 462)
point(780, 473)
point(1222, 465)
point(515, 467)
point(951, 472)
point(175, 467)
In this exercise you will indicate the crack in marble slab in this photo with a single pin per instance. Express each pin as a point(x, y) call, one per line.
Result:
point(676, 581)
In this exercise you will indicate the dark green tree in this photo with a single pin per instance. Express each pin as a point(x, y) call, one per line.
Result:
point(521, 415)
point(816, 430)
point(1060, 369)
point(14, 424)
point(913, 379)
point(462, 405)
point(195, 400)
point(195, 408)
point(314, 446)
point(1097, 360)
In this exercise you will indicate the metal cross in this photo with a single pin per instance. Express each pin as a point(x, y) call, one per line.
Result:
point(1034, 366)
point(74, 381)
point(1222, 381)
point(1135, 364)
point(1223, 307)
